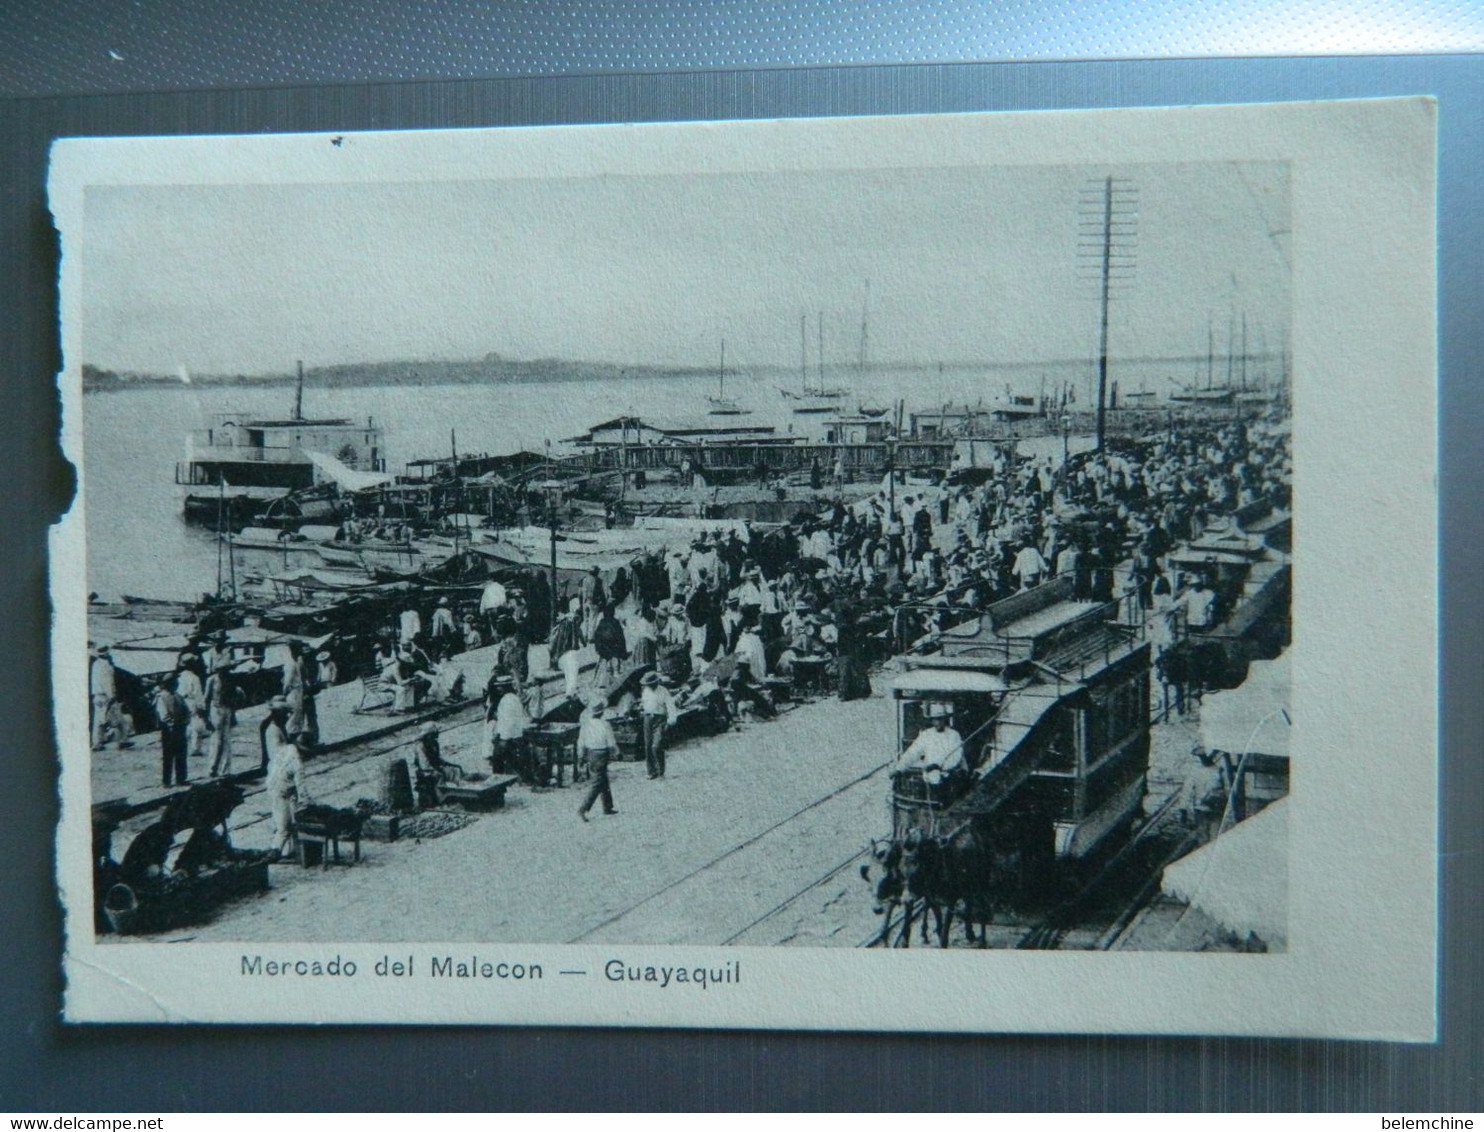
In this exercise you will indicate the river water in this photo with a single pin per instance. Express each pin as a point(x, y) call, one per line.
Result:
point(139, 545)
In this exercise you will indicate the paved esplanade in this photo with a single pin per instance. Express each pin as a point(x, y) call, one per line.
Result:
point(741, 824)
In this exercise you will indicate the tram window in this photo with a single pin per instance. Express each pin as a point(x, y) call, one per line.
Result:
point(1097, 729)
point(1126, 709)
point(914, 720)
point(972, 719)
point(1061, 743)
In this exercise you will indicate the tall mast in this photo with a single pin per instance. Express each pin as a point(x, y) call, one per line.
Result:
point(299, 394)
point(804, 353)
point(458, 483)
point(1244, 350)
point(221, 508)
point(721, 374)
point(551, 529)
point(1231, 335)
point(1210, 354)
point(232, 557)
point(821, 352)
point(865, 338)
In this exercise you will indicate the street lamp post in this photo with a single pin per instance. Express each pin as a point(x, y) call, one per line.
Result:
point(551, 526)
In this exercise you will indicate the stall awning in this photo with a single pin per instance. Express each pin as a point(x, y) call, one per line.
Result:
point(1256, 717)
point(1240, 880)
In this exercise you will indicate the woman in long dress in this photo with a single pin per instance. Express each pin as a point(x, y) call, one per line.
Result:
point(610, 644)
point(855, 679)
point(645, 634)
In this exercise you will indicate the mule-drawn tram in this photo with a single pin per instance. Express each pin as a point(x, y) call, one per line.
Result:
point(1023, 740)
point(1244, 562)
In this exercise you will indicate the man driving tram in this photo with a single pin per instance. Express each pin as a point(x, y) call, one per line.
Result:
point(935, 761)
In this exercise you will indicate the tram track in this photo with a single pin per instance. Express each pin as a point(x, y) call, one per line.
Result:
point(335, 773)
point(747, 843)
point(352, 755)
point(1049, 933)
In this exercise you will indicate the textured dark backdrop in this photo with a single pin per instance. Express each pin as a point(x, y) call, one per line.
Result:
point(49, 54)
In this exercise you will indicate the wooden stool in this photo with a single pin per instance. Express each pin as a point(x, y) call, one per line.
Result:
point(488, 794)
point(328, 847)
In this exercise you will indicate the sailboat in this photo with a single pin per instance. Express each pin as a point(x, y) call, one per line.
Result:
point(1140, 398)
point(1212, 394)
point(1262, 392)
point(819, 399)
point(720, 405)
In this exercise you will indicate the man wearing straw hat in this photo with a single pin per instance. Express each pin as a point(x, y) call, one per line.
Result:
point(173, 715)
point(657, 710)
point(938, 751)
point(284, 784)
point(221, 700)
point(442, 630)
point(327, 672)
point(473, 638)
point(597, 744)
point(506, 723)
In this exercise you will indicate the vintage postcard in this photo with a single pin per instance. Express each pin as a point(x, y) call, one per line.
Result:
point(968, 572)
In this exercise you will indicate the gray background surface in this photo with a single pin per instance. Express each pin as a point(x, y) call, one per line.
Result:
point(279, 65)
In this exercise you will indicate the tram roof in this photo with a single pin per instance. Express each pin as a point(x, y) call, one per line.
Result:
point(948, 680)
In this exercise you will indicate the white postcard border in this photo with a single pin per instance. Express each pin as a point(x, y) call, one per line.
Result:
point(1361, 955)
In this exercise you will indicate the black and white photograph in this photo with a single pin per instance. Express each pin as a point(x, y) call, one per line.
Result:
point(806, 555)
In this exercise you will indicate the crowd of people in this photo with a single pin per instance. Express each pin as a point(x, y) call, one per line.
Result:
point(745, 613)
point(195, 702)
point(194, 705)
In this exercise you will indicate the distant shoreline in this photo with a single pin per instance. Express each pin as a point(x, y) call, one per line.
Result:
point(500, 371)
point(96, 380)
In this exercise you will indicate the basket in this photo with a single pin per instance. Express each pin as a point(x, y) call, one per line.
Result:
point(121, 907)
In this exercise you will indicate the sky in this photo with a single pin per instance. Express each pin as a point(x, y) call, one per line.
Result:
point(963, 264)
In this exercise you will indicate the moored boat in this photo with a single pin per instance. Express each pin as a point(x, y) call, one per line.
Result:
point(240, 466)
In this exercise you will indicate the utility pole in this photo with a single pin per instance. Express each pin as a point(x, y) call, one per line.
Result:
point(1107, 230)
point(551, 529)
point(458, 488)
point(221, 508)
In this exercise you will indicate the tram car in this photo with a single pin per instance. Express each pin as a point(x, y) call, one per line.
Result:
point(1023, 741)
point(1244, 562)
